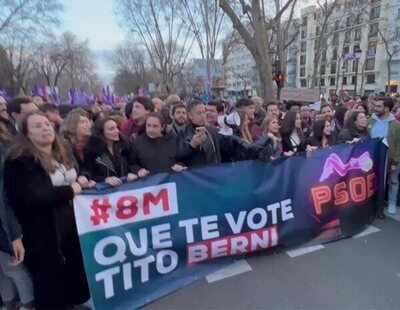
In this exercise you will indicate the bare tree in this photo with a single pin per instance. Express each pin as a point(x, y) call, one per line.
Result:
point(20, 60)
point(253, 24)
point(26, 14)
point(205, 18)
point(158, 26)
point(232, 40)
point(285, 32)
point(389, 36)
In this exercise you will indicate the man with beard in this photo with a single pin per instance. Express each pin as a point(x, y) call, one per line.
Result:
point(384, 125)
point(328, 112)
point(179, 117)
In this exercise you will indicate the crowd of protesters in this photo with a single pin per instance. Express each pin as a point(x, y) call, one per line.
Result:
point(51, 153)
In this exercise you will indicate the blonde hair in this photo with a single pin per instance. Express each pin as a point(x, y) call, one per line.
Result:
point(244, 128)
point(265, 125)
point(22, 146)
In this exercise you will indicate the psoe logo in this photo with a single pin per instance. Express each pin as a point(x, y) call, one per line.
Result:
point(351, 191)
point(334, 164)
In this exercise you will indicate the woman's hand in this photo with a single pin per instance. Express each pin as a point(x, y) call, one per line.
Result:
point(143, 172)
point(83, 181)
point(178, 168)
point(113, 181)
point(289, 154)
point(132, 177)
point(19, 252)
point(76, 188)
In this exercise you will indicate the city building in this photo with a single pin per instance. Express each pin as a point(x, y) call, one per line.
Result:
point(343, 52)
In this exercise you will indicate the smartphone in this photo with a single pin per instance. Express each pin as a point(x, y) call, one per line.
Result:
point(200, 129)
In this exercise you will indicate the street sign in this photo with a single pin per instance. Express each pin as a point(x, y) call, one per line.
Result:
point(200, 68)
point(348, 57)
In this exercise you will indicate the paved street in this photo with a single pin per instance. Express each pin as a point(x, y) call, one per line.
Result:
point(362, 272)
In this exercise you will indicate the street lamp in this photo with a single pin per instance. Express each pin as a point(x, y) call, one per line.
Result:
point(357, 54)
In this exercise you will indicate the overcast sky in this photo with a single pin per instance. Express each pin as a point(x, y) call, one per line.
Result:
point(95, 20)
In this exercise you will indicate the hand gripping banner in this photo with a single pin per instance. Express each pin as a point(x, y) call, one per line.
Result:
point(148, 238)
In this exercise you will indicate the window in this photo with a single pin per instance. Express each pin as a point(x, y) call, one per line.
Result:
point(317, 31)
point(370, 78)
point(302, 72)
point(322, 70)
point(337, 25)
point(322, 82)
point(334, 54)
point(375, 12)
point(353, 80)
point(333, 81)
point(356, 48)
point(344, 80)
point(302, 59)
point(348, 21)
point(335, 40)
point(370, 64)
point(347, 37)
point(303, 46)
point(303, 83)
point(357, 34)
point(303, 34)
point(358, 18)
point(304, 21)
point(354, 65)
point(373, 30)
point(346, 50)
point(324, 56)
point(333, 68)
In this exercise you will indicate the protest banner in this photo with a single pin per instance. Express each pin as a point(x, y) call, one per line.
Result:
point(300, 94)
point(151, 237)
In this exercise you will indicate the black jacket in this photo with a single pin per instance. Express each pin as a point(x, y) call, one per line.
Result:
point(51, 248)
point(155, 155)
point(208, 153)
point(10, 229)
point(345, 135)
point(288, 145)
point(101, 163)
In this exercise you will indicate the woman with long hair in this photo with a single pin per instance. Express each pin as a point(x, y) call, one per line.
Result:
point(355, 128)
point(270, 129)
point(76, 131)
point(107, 153)
point(40, 182)
point(293, 139)
point(155, 150)
point(322, 134)
point(243, 131)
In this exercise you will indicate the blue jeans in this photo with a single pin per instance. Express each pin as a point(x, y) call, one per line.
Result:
point(393, 186)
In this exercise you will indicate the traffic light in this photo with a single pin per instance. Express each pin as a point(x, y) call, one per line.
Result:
point(279, 79)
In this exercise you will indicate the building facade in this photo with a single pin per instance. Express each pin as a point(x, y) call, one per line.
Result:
point(343, 51)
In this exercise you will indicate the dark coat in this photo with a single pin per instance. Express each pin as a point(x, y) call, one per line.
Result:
point(287, 145)
point(155, 155)
point(53, 254)
point(208, 153)
point(345, 135)
point(101, 163)
point(10, 229)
